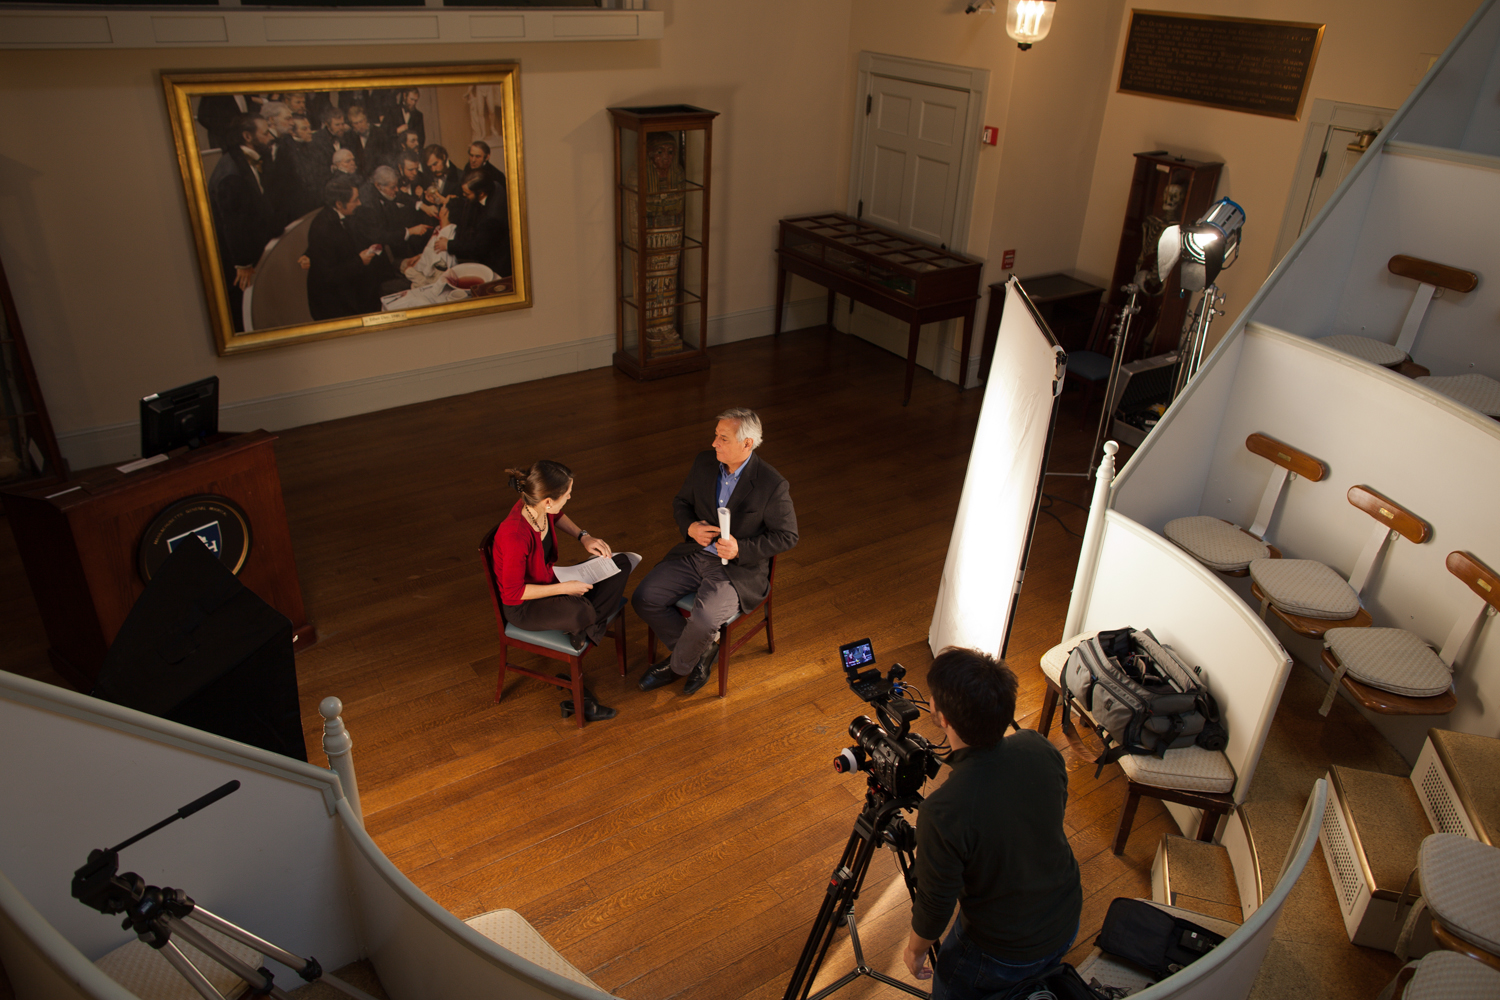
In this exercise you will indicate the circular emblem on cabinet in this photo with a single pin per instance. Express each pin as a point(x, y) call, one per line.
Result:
point(218, 522)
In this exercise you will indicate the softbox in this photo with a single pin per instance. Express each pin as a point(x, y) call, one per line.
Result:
point(202, 649)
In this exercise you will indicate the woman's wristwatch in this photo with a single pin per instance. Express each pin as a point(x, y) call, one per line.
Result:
point(581, 533)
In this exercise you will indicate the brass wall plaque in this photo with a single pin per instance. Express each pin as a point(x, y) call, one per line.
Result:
point(1234, 63)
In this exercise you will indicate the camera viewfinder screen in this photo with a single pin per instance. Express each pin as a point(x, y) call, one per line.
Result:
point(857, 654)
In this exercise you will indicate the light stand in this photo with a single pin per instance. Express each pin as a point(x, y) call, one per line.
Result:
point(157, 915)
point(1203, 249)
point(1190, 354)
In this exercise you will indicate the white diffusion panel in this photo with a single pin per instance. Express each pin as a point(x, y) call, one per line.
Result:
point(980, 576)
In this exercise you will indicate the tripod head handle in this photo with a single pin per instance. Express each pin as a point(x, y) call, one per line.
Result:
point(97, 886)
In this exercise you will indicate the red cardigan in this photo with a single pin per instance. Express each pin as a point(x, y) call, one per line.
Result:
point(520, 557)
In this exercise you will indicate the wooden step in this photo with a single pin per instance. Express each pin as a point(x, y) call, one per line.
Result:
point(1471, 763)
point(1195, 876)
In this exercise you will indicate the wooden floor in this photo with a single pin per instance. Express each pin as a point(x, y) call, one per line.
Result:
point(681, 849)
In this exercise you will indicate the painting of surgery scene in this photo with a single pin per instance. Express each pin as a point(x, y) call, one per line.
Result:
point(333, 202)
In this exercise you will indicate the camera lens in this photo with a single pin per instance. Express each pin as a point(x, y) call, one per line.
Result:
point(862, 725)
point(849, 760)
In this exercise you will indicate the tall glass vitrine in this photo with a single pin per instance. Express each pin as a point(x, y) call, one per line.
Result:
point(663, 159)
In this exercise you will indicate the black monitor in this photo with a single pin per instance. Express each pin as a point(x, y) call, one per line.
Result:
point(186, 415)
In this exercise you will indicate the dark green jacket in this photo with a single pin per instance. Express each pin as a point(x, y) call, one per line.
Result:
point(991, 839)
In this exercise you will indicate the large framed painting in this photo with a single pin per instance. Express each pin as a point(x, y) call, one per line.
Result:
point(332, 202)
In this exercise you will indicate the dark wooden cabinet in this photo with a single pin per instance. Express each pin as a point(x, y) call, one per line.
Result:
point(80, 542)
point(885, 270)
point(1164, 190)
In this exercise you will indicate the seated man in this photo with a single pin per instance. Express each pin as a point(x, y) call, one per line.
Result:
point(762, 523)
point(991, 839)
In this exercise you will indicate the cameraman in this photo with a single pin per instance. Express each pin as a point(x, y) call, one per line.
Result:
point(991, 839)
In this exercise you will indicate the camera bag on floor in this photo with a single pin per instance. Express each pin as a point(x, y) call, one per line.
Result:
point(1141, 698)
point(1061, 982)
point(1153, 939)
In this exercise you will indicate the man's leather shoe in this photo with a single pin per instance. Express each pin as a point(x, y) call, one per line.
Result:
point(699, 674)
point(592, 710)
point(660, 675)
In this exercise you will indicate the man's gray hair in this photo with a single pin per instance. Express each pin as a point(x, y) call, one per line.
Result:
point(749, 424)
point(384, 175)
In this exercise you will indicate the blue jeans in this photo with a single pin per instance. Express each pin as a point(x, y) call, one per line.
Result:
point(965, 973)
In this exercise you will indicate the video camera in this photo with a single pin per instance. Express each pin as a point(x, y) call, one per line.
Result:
point(898, 761)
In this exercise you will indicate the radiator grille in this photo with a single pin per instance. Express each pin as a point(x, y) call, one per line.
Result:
point(1346, 876)
point(1450, 818)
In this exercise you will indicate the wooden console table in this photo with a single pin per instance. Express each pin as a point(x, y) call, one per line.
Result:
point(80, 542)
point(895, 274)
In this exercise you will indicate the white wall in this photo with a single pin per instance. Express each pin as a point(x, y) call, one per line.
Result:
point(95, 237)
point(1373, 53)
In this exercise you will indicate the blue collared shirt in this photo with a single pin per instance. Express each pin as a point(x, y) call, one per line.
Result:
point(727, 482)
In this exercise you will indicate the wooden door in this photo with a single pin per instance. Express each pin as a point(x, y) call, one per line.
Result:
point(911, 157)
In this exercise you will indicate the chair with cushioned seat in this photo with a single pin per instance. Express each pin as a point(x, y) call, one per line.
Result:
point(1477, 392)
point(1190, 776)
point(1089, 366)
point(1229, 548)
point(1392, 671)
point(1460, 886)
point(1430, 276)
point(551, 643)
point(1310, 597)
point(1444, 975)
point(727, 642)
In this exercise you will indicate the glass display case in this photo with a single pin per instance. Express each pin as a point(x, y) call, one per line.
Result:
point(28, 449)
point(900, 276)
point(663, 156)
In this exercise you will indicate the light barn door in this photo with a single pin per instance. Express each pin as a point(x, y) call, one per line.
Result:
point(909, 168)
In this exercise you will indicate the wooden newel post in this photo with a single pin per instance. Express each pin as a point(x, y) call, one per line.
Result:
point(336, 745)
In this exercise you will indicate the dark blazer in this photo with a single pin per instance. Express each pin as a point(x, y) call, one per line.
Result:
point(244, 217)
point(483, 233)
point(338, 282)
point(761, 519)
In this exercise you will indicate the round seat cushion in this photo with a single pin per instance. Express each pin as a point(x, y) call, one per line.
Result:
point(1305, 587)
point(1216, 544)
point(1459, 877)
point(1192, 769)
point(1447, 975)
point(1391, 659)
point(1377, 352)
point(1477, 392)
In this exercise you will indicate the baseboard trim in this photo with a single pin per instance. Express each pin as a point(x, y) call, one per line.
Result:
point(109, 443)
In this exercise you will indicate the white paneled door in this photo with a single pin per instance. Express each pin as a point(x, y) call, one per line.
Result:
point(911, 157)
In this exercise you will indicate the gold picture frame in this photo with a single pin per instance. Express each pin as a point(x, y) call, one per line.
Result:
point(251, 146)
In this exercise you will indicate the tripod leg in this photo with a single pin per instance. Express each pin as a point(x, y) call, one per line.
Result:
point(257, 978)
point(294, 962)
point(189, 971)
point(843, 888)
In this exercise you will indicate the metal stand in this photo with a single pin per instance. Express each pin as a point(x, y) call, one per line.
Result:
point(879, 823)
point(1119, 336)
point(1192, 352)
point(157, 915)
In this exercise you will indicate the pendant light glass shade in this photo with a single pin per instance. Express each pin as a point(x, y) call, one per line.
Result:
point(1028, 21)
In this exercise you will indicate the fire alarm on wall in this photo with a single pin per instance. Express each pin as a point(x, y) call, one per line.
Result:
point(1008, 260)
point(991, 135)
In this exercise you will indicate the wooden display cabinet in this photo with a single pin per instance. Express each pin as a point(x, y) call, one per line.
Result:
point(899, 276)
point(1165, 189)
point(663, 160)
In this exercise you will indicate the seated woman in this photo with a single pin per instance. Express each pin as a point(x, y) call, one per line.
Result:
point(524, 552)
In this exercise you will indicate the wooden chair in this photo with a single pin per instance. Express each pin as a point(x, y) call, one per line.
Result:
point(1229, 548)
point(1430, 276)
point(1393, 672)
point(1312, 598)
point(1189, 776)
point(552, 643)
point(1090, 366)
point(1443, 975)
point(727, 642)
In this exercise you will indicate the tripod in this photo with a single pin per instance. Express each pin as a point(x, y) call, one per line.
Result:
point(879, 823)
point(157, 915)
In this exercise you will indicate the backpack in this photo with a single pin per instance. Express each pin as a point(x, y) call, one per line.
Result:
point(1152, 939)
point(1141, 697)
